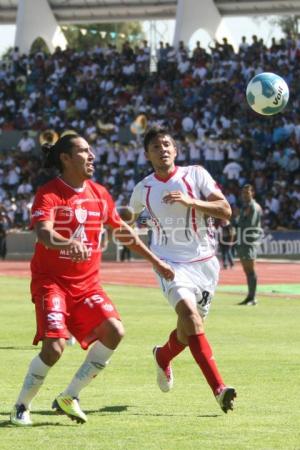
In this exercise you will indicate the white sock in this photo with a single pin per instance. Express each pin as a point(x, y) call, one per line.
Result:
point(95, 361)
point(34, 379)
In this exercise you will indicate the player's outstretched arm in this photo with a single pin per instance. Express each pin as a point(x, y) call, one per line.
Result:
point(128, 237)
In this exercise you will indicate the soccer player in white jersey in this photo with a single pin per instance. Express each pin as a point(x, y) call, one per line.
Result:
point(181, 201)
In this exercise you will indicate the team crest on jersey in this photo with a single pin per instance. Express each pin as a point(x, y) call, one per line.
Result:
point(81, 215)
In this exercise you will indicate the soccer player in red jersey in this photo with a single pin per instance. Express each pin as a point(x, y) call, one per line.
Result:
point(68, 216)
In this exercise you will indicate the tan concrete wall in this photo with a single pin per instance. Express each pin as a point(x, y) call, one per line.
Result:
point(20, 246)
point(283, 245)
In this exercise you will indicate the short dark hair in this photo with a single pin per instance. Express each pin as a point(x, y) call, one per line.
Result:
point(153, 132)
point(52, 152)
point(248, 187)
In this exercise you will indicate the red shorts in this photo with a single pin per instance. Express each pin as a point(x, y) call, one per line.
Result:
point(58, 314)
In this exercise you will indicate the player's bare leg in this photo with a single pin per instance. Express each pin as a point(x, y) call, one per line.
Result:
point(109, 335)
point(39, 367)
point(191, 331)
point(52, 350)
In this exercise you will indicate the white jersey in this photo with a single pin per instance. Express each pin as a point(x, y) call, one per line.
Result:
point(179, 234)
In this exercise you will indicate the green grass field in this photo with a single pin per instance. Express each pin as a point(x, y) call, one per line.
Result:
point(257, 350)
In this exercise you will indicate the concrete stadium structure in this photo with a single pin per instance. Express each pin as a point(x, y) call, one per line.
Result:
point(43, 18)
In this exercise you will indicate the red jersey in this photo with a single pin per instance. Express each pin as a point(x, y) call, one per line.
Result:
point(78, 214)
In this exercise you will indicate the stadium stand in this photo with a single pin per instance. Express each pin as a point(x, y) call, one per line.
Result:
point(200, 94)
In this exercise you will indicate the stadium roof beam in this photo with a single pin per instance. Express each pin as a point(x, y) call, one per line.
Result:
point(254, 8)
point(101, 10)
point(116, 12)
point(190, 15)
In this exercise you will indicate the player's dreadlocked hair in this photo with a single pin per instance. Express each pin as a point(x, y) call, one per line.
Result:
point(52, 152)
point(153, 132)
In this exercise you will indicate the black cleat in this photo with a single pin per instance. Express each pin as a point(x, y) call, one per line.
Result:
point(248, 302)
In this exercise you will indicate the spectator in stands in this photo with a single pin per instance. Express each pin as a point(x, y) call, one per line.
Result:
point(26, 144)
point(25, 187)
point(243, 46)
point(232, 170)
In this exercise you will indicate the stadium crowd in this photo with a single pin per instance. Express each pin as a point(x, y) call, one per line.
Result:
point(199, 94)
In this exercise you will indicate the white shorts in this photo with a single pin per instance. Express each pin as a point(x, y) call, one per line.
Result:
point(195, 281)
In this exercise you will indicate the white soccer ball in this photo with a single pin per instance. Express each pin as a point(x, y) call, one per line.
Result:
point(267, 93)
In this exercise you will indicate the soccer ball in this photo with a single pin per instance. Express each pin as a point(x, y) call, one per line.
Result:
point(267, 93)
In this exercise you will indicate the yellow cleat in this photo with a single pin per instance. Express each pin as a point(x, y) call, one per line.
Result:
point(65, 404)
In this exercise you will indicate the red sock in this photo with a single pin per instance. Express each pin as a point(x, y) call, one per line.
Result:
point(171, 349)
point(203, 356)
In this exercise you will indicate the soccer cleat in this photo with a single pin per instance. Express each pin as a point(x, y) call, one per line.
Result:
point(164, 378)
point(248, 302)
point(65, 404)
point(225, 398)
point(20, 416)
